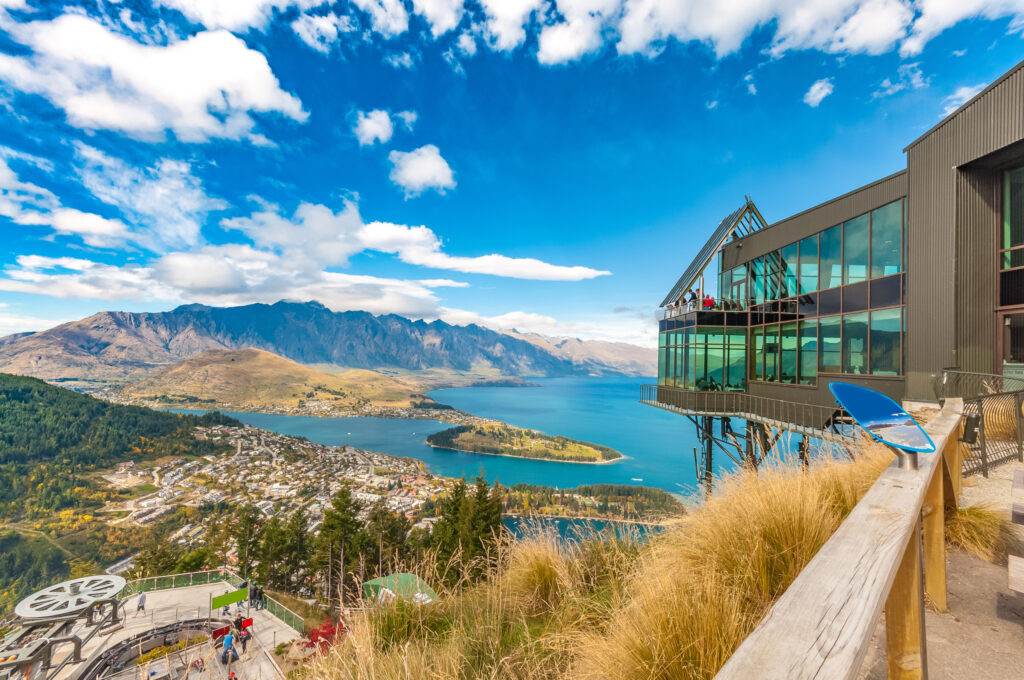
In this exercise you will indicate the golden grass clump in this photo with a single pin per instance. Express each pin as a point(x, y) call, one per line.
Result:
point(983, 532)
point(675, 606)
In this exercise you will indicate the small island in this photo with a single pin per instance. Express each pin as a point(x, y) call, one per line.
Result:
point(505, 440)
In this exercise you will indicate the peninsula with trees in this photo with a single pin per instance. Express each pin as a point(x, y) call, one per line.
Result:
point(506, 440)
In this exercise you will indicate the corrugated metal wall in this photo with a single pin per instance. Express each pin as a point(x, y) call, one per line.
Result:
point(977, 237)
point(946, 260)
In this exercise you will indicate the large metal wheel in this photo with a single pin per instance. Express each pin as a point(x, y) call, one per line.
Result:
point(69, 597)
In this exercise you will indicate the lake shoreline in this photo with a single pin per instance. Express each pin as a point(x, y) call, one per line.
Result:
point(544, 460)
point(639, 522)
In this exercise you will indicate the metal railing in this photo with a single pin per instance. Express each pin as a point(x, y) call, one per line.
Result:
point(201, 578)
point(718, 305)
point(998, 402)
point(813, 419)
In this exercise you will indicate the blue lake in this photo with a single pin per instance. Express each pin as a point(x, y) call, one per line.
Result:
point(658, 445)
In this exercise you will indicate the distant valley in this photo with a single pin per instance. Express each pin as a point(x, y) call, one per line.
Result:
point(120, 347)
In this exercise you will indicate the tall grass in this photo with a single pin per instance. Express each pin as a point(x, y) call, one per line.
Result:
point(675, 606)
point(983, 532)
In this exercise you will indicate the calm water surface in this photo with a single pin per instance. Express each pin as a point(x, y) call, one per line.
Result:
point(659, 445)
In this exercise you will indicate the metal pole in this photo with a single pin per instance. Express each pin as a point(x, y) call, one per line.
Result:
point(981, 436)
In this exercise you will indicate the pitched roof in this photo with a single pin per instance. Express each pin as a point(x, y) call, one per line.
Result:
point(744, 220)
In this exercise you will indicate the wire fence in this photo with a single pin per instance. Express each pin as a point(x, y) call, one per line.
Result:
point(996, 403)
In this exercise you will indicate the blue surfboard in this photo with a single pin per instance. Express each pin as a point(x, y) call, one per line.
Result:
point(883, 418)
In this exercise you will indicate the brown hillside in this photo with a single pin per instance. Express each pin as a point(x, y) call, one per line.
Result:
point(253, 376)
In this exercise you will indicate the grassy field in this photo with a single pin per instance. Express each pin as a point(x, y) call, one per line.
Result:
point(674, 607)
point(504, 440)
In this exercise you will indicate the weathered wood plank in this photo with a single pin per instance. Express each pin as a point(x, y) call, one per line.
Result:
point(933, 527)
point(822, 624)
point(905, 652)
point(1016, 569)
point(1017, 513)
point(1017, 493)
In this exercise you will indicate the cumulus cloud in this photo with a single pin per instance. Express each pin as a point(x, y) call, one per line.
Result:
point(165, 199)
point(909, 77)
point(206, 86)
point(422, 169)
point(28, 204)
point(578, 33)
point(315, 236)
point(505, 19)
point(935, 16)
point(960, 96)
point(399, 60)
point(321, 32)
point(817, 92)
point(442, 15)
point(234, 15)
point(420, 246)
point(372, 127)
point(389, 18)
point(408, 119)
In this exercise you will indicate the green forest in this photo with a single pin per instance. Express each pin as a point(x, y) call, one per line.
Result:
point(53, 439)
point(609, 501)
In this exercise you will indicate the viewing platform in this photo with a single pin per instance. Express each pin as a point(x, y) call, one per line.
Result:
point(823, 422)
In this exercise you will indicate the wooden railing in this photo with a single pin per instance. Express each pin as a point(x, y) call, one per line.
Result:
point(886, 555)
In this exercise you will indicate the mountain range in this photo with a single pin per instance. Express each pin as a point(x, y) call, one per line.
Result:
point(123, 346)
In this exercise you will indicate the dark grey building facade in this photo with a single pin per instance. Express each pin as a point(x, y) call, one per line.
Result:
point(884, 286)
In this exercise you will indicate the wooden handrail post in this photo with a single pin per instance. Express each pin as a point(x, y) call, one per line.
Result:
point(906, 656)
point(933, 527)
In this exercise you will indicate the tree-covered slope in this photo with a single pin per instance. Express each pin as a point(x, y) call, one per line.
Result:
point(52, 438)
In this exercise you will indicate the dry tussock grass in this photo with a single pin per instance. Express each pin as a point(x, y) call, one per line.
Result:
point(674, 607)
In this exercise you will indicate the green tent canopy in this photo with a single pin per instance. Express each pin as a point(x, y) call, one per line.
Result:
point(405, 586)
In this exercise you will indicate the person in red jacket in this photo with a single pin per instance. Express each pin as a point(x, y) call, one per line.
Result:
point(709, 302)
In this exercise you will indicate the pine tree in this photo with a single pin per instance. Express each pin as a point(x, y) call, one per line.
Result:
point(247, 538)
point(339, 542)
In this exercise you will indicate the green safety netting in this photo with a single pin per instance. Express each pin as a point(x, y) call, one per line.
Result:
point(405, 586)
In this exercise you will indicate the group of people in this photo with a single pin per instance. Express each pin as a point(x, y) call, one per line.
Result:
point(240, 634)
point(689, 302)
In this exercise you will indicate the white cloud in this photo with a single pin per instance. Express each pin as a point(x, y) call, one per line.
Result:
point(504, 26)
point(818, 91)
point(442, 15)
point(935, 16)
point(207, 86)
point(749, 80)
point(234, 15)
point(373, 127)
point(399, 60)
point(420, 246)
point(316, 237)
point(909, 77)
point(18, 323)
point(711, 105)
point(578, 34)
point(388, 17)
point(466, 44)
point(609, 328)
point(422, 169)
point(167, 200)
point(408, 119)
point(321, 32)
point(960, 96)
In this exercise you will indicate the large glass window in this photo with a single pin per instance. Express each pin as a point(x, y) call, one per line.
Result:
point(855, 250)
point(809, 264)
point(886, 239)
point(739, 286)
point(830, 271)
point(829, 334)
point(736, 359)
point(855, 343)
point(757, 277)
point(757, 353)
point(771, 353)
point(808, 371)
point(790, 263)
point(885, 342)
point(1013, 219)
point(773, 274)
point(788, 353)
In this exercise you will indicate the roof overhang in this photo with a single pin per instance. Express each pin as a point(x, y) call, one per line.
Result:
point(741, 222)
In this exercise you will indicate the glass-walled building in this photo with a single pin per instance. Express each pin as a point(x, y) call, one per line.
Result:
point(884, 286)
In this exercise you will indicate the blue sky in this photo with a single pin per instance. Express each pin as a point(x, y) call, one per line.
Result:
point(546, 165)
